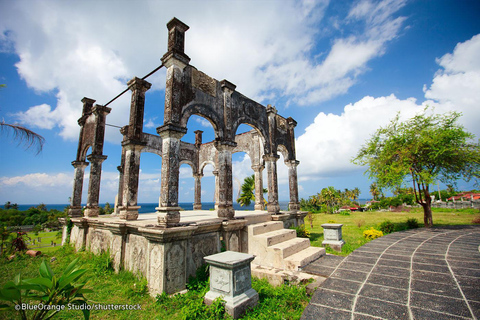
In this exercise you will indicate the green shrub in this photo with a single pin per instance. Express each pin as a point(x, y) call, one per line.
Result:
point(301, 231)
point(48, 289)
point(372, 234)
point(412, 223)
point(387, 227)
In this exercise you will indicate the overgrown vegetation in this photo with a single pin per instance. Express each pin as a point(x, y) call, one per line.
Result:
point(284, 302)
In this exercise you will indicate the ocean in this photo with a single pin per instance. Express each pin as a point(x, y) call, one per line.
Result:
point(150, 207)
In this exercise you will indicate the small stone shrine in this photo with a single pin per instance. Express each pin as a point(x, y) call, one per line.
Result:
point(332, 234)
point(230, 279)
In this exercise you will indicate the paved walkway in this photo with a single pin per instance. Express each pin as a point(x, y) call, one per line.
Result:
point(416, 274)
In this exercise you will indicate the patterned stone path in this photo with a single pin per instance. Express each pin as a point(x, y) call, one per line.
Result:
point(416, 274)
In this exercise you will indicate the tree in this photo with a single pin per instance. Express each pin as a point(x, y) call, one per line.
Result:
point(421, 150)
point(247, 194)
point(375, 191)
point(24, 136)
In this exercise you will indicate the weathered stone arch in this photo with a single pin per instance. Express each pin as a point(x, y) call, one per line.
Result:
point(191, 164)
point(206, 112)
point(204, 164)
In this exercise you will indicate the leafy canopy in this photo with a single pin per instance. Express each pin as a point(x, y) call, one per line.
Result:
point(424, 149)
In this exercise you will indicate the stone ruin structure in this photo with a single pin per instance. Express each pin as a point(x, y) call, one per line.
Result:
point(159, 246)
point(188, 92)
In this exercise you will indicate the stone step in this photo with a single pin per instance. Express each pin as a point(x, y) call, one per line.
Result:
point(302, 258)
point(273, 237)
point(260, 228)
point(289, 247)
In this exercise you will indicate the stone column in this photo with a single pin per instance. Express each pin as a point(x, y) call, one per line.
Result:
point(225, 190)
point(129, 208)
point(168, 210)
point(259, 202)
point(215, 173)
point(119, 196)
point(197, 205)
point(271, 164)
point(293, 205)
point(94, 184)
point(76, 201)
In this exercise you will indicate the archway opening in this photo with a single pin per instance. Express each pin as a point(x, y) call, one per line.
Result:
point(149, 182)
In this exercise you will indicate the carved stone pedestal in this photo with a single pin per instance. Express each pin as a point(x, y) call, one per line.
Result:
point(230, 278)
point(332, 234)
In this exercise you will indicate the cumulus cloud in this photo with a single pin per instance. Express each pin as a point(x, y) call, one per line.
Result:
point(328, 144)
point(268, 52)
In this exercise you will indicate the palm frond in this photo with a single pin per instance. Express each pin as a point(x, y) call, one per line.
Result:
point(24, 136)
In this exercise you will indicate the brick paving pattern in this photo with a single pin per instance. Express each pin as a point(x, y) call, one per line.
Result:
point(415, 274)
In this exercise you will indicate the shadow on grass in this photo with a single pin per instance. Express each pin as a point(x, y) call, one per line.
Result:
point(314, 236)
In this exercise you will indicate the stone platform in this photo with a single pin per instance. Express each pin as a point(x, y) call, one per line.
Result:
point(168, 256)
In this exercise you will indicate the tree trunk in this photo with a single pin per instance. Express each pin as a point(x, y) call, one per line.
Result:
point(427, 209)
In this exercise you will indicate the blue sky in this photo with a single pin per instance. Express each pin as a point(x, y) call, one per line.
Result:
point(341, 69)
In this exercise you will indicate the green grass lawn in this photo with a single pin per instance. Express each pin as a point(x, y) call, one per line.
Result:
point(285, 302)
point(357, 222)
point(46, 238)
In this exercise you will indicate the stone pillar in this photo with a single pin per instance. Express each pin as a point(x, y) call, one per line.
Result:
point(215, 173)
point(76, 201)
point(259, 202)
point(168, 210)
point(119, 197)
point(294, 204)
point(225, 190)
point(94, 184)
point(129, 208)
point(197, 205)
point(271, 164)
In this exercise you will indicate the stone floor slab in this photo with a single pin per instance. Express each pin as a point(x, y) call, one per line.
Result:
point(437, 285)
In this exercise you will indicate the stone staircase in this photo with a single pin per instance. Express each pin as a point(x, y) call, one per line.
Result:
point(276, 247)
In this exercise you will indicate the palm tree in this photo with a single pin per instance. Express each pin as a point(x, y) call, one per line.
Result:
point(26, 136)
point(247, 194)
point(375, 191)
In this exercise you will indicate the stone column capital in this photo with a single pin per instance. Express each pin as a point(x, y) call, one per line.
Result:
point(291, 122)
point(198, 175)
point(292, 163)
point(133, 145)
point(271, 157)
point(96, 158)
point(258, 168)
point(225, 145)
point(215, 172)
point(101, 110)
point(227, 86)
point(271, 110)
point(138, 84)
point(171, 131)
point(79, 164)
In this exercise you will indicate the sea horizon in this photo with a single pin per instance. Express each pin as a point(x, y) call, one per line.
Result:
point(149, 207)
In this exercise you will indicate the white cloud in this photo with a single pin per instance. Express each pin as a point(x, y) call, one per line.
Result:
point(328, 144)
point(266, 51)
point(39, 116)
point(38, 180)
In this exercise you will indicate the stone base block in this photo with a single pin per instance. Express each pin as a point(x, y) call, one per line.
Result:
point(226, 212)
point(335, 245)
point(168, 216)
point(235, 306)
point(273, 208)
point(92, 212)
point(197, 206)
point(75, 212)
point(129, 213)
